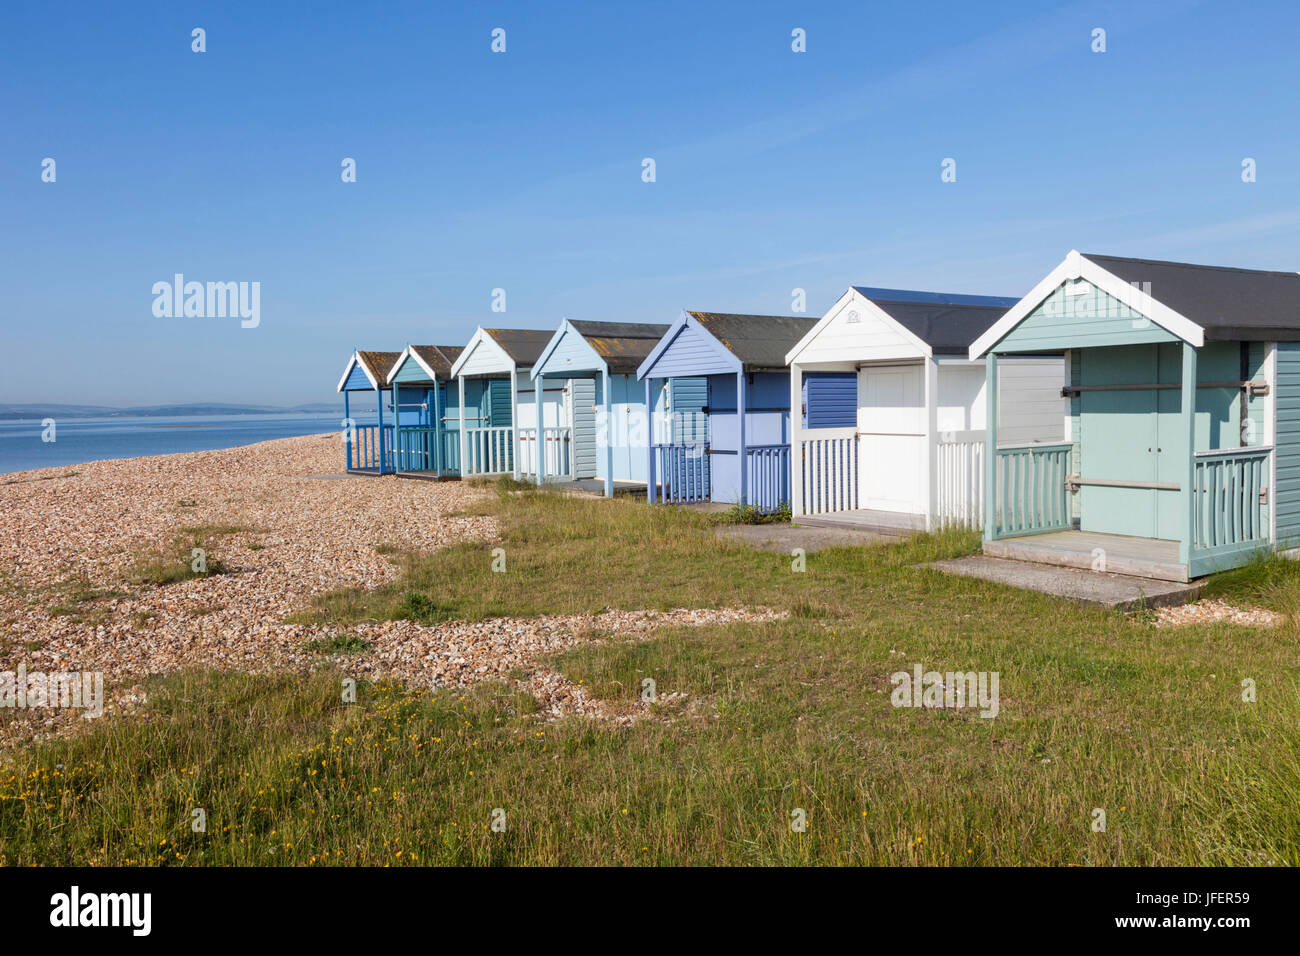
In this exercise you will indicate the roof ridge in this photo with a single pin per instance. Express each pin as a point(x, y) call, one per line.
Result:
point(1191, 265)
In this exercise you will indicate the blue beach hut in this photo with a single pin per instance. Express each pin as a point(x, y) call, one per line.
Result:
point(737, 449)
point(608, 432)
point(368, 447)
point(426, 412)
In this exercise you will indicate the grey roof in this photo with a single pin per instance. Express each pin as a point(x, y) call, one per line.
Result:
point(947, 322)
point(440, 358)
point(1229, 303)
point(759, 341)
point(623, 345)
point(523, 345)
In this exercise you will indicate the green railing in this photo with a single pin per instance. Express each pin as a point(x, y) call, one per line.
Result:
point(1229, 512)
point(1029, 491)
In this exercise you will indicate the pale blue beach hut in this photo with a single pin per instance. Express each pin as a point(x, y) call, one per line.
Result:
point(607, 433)
point(737, 449)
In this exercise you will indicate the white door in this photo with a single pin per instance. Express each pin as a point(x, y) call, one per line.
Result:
point(891, 426)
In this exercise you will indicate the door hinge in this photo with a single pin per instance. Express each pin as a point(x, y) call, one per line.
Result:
point(1263, 496)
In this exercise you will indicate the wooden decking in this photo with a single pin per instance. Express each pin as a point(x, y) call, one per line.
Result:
point(1093, 551)
point(865, 519)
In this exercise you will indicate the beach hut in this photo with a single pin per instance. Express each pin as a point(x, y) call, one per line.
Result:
point(368, 447)
point(736, 448)
point(609, 424)
point(426, 412)
point(499, 403)
point(1181, 453)
point(890, 435)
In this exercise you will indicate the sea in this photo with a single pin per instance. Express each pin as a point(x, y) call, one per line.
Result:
point(78, 440)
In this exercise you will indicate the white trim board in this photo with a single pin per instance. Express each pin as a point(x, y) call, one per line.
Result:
point(410, 352)
point(481, 339)
point(914, 347)
point(354, 361)
point(1078, 266)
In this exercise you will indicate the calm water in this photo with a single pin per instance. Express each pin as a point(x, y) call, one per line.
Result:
point(91, 439)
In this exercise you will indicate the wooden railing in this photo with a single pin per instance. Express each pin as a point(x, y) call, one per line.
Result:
point(369, 449)
point(681, 472)
point(558, 443)
point(489, 451)
point(829, 477)
point(959, 478)
point(768, 477)
point(1029, 493)
point(425, 448)
point(1229, 509)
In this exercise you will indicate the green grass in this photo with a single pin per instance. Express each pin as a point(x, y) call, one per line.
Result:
point(1271, 582)
point(178, 562)
point(340, 644)
point(78, 599)
point(751, 514)
point(1098, 710)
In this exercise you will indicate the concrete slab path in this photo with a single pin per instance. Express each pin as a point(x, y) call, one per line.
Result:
point(1122, 592)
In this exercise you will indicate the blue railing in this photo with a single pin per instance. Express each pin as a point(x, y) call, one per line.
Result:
point(369, 449)
point(768, 476)
point(427, 449)
point(681, 472)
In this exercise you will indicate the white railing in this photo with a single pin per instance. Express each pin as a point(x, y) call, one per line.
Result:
point(959, 477)
point(488, 451)
point(559, 452)
point(829, 459)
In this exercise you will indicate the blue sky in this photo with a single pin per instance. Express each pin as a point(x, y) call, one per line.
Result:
point(522, 170)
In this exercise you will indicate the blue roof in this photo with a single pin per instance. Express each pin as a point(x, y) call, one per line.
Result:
point(936, 298)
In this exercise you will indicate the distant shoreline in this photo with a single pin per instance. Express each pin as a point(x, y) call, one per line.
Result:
point(37, 413)
point(23, 444)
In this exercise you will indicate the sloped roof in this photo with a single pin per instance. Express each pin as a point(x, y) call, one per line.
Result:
point(524, 346)
point(440, 358)
point(623, 345)
point(947, 322)
point(759, 341)
point(379, 364)
point(1228, 303)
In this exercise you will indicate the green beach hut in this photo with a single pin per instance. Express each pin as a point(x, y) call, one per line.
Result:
point(1181, 454)
point(426, 412)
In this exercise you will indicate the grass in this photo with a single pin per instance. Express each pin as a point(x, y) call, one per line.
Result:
point(1271, 582)
point(751, 514)
point(340, 644)
point(79, 600)
point(1098, 710)
point(179, 561)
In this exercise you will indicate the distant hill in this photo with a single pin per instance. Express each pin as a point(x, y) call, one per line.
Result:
point(25, 412)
